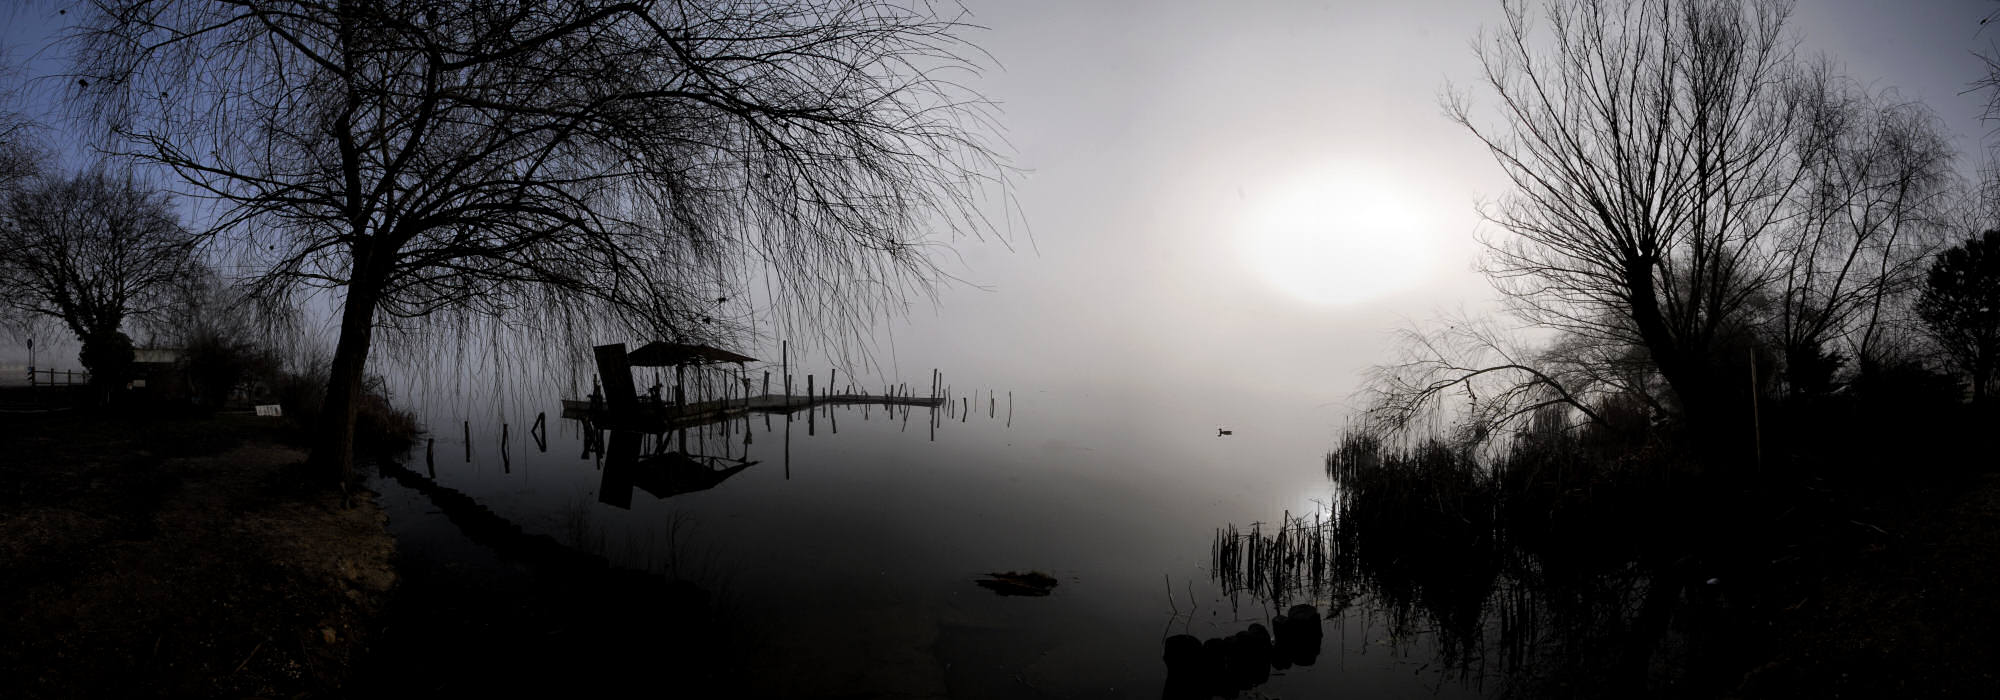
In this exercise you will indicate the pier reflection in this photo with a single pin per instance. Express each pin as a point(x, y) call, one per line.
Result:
point(664, 474)
point(669, 468)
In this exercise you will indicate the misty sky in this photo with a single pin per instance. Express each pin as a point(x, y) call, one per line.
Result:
point(1190, 164)
point(1162, 137)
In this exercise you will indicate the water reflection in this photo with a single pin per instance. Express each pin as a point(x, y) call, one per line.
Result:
point(1227, 665)
point(867, 575)
point(663, 474)
point(1492, 603)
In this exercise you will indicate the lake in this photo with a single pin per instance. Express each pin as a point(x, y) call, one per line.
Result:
point(845, 556)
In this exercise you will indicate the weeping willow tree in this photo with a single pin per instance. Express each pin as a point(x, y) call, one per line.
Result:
point(567, 167)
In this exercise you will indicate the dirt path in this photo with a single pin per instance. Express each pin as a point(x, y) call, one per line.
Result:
point(171, 557)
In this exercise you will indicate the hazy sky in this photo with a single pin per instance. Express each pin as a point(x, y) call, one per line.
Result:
point(1191, 164)
point(1167, 140)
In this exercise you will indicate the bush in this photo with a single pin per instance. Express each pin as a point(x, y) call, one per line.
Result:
point(216, 366)
point(379, 427)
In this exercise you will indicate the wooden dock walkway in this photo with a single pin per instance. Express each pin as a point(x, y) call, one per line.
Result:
point(667, 416)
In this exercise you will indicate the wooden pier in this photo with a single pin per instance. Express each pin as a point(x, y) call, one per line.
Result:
point(651, 416)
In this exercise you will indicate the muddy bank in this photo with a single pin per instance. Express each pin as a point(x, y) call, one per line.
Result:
point(174, 556)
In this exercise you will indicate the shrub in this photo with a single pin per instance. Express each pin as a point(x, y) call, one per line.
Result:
point(379, 427)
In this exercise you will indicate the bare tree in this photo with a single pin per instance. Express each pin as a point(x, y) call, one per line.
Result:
point(631, 162)
point(91, 251)
point(1647, 142)
point(1480, 374)
point(1878, 182)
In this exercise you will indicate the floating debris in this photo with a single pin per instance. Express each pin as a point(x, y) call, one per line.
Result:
point(1034, 583)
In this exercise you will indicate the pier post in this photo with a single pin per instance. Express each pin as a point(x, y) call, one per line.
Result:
point(614, 372)
point(430, 457)
point(468, 441)
point(540, 432)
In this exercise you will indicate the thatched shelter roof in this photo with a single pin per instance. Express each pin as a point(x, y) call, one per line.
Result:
point(664, 354)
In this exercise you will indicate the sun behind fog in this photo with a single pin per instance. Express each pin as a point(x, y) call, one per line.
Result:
point(1339, 240)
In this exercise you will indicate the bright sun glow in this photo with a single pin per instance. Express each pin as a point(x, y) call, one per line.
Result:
point(1340, 240)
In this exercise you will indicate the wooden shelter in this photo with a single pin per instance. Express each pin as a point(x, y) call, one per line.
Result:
point(664, 354)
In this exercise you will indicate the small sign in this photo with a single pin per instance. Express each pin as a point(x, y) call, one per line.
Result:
point(270, 409)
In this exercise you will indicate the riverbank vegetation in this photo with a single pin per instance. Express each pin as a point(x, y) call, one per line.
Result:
point(1733, 435)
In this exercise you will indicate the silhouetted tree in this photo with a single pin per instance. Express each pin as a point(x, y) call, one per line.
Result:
point(628, 161)
point(1648, 144)
point(1960, 306)
point(91, 251)
point(1877, 179)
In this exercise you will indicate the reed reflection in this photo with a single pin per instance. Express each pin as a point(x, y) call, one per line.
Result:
point(1420, 536)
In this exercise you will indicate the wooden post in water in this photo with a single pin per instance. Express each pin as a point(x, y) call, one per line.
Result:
point(831, 374)
point(468, 442)
point(785, 366)
point(540, 432)
point(1756, 420)
point(991, 403)
point(965, 409)
point(767, 382)
point(430, 457)
point(1010, 408)
point(614, 373)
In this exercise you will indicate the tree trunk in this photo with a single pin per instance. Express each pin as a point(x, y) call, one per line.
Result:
point(1668, 356)
point(1689, 372)
point(333, 438)
point(1982, 375)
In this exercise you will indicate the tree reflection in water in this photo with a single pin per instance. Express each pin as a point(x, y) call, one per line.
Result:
point(1421, 540)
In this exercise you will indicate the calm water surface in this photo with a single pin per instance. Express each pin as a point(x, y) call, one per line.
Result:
point(846, 554)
